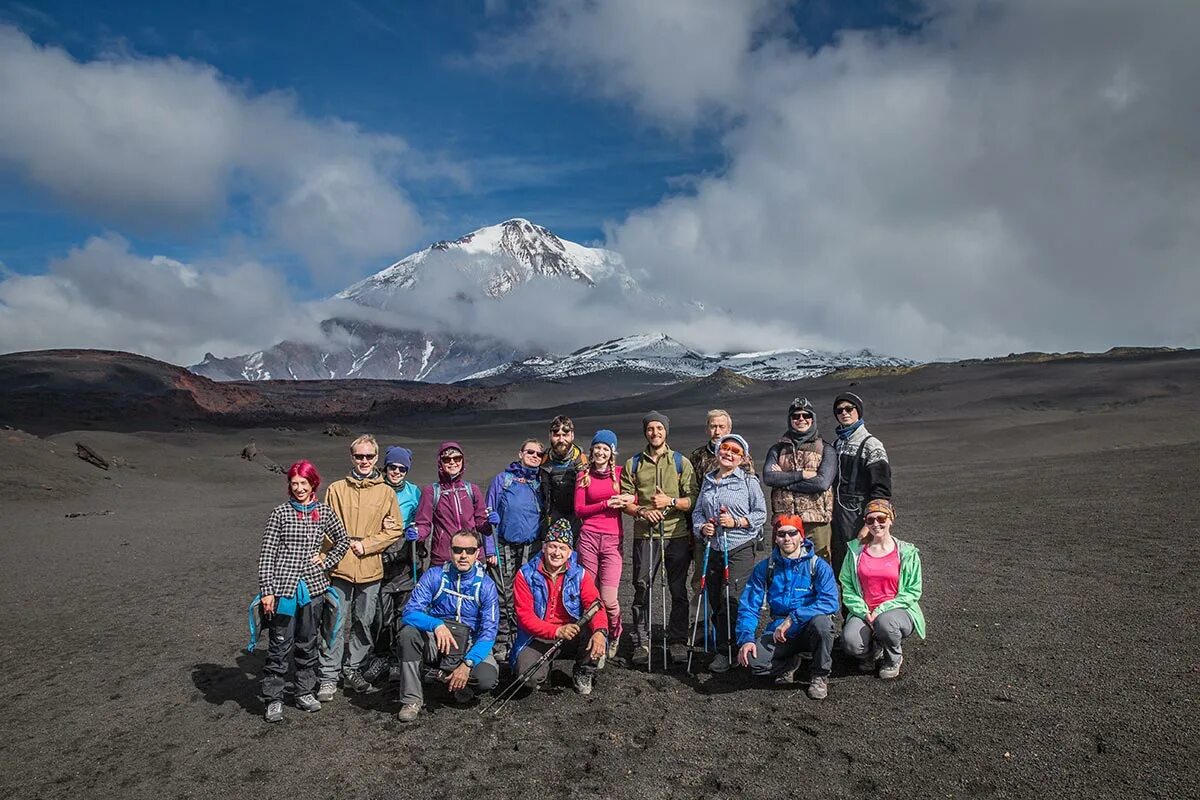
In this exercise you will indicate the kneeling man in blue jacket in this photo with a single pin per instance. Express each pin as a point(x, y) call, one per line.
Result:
point(458, 591)
point(801, 593)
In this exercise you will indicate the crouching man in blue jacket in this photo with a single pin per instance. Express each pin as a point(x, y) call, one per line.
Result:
point(801, 592)
point(460, 594)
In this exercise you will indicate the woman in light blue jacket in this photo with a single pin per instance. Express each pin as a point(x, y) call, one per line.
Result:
point(729, 515)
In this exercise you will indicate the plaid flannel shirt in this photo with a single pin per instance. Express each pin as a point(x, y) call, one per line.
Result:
point(290, 540)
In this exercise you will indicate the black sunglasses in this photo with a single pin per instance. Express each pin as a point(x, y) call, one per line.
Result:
point(364, 456)
point(844, 409)
point(397, 467)
point(529, 452)
point(802, 415)
point(460, 550)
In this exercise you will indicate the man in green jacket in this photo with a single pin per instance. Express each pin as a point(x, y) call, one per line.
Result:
point(663, 484)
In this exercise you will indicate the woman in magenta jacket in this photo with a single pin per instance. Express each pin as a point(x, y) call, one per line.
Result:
point(598, 504)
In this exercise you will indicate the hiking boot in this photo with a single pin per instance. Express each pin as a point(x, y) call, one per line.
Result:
point(464, 695)
point(583, 682)
point(641, 655)
point(612, 648)
point(326, 691)
point(866, 664)
point(395, 674)
point(890, 672)
point(375, 670)
point(720, 663)
point(786, 678)
point(306, 702)
point(679, 652)
point(818, 687)
point(408, 712)
point(274, 711)
point(354, 680)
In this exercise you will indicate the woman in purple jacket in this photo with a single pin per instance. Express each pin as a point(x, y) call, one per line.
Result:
point(448, 506)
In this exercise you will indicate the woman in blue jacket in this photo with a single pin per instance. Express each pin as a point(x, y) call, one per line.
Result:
point(727, 519)
point(801, 593)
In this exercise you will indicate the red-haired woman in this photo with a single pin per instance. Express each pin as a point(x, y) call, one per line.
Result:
point(292, 584)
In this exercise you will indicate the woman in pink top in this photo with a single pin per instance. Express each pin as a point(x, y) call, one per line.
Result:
point(598, 504)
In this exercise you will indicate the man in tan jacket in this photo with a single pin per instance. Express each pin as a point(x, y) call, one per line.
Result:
point(367, 507)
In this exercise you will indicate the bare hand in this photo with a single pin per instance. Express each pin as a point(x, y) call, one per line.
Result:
point(357, 546)
point(660, 499)
point(444, 639)
point(748, 651)
point(268, 604)
point(808, 474)
point(597, 645)
point(318, 559)
point(458, 678)
point(871, 617)
point(774, 468)
point(726, 519)
point(652, 516)
point(568, 631)
point(708, 529)
point(390, 524)
point(491, 561)
point(616, 501)
point(781, 631)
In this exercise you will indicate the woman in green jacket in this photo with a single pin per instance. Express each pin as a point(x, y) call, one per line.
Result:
point(881, 584)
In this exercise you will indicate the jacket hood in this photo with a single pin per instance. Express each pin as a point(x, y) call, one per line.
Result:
point(806, 551)
point(522, 471)
point(442, 476)
point(362, 483)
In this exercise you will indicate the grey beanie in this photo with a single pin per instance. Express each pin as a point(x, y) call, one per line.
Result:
point(655, 416)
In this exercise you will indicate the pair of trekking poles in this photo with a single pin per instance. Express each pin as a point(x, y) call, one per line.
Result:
point(702, 605)
point(500, 700)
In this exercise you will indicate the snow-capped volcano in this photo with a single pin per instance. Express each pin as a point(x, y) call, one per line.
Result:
point(496, 258)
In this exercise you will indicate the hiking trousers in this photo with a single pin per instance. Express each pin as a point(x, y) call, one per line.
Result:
point(815, 639)
point(741, 563)
point(600, 554)
point(890, 630)
point(418, 652)
point(290, 637)
point(388, 624)
point(575, 648)
point(358, 602)
point(647, 563)
point(511, 558)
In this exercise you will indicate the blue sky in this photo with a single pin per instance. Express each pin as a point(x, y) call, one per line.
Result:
point(924, 178)
point(533, 142)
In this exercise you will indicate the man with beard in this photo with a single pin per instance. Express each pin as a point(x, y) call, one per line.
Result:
point(455, 595)
point(664, 486)
point(800, 469)
point(363, 502)
point(561, 465)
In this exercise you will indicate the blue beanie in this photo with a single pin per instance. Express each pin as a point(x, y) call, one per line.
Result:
point(398, 455)
point(605, 436)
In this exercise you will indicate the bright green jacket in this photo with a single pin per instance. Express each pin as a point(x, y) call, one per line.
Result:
point(907, 594)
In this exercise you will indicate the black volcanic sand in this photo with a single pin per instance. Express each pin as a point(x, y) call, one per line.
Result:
point(1054, 505)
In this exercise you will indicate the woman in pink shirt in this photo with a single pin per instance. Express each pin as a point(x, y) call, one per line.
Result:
point(881, 587)
point(598, 504)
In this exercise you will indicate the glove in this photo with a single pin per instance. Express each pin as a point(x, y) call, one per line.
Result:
point(410, 533)
point(494, 517)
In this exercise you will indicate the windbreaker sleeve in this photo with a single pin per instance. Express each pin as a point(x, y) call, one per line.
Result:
point(750, 602)
point(416, 610)
point(487, 623)
point(851, 591)
point(334, 531)
point(495, 489)
point(909, 591)
point(821, 599)
point(423, 519)
point(266, 554)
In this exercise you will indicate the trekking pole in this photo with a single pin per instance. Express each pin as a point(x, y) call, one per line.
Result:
point(511, 690)
point(662, 577)
point(728, 605)
point(700, 598)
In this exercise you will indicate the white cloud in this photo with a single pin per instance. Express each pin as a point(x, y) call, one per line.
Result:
point(152, 143)
point(101, 295)
point(1016, 175)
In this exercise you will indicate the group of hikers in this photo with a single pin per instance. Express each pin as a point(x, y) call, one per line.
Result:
point(441, 584)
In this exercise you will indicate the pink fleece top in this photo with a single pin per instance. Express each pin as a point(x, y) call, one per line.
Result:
point(879, 577)
point(591, 504)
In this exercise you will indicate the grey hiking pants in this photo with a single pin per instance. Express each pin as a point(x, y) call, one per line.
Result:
point(512, 558)
point(357, 602)
point(418, 651)
point(815, 639)
point(889, 631)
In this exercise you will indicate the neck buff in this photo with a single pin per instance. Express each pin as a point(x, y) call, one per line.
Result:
point(846, 432)
point(358, 476)
point(393, 485)
point(795, 437)
point(302, 510)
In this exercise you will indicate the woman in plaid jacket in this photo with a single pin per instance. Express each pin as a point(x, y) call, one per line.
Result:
point(292, 581)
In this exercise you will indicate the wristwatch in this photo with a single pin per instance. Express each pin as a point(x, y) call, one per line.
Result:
point(470, 664)
point(673, 499)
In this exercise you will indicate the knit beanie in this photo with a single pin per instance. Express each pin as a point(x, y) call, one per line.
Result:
point(560, 531)
point(851, 398)
point(655, 416)
point(398, 455)
point(605, 436)
point(801, 404)
point(788, 521)
point(880, 506)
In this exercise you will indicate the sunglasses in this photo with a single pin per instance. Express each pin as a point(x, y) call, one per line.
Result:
point(529, 452)
point(784, 533)
point(364, 456)
point(458, 551)
point(844, 409)
point(877, 519)
point(396, 468)
point(732, 449)
point(802, 415)
point(451, 459)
